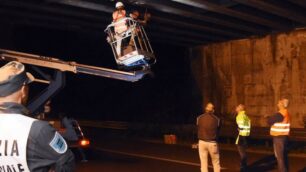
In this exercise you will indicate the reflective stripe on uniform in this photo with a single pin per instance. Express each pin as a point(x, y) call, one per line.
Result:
point(282, 125)
point(281, 128)
point(244, 125)
point(279, 131)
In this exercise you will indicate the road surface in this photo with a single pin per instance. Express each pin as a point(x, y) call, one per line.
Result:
point(124, 155)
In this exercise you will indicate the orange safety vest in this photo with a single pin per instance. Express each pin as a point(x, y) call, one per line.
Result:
point(281, 128)
point(120, 23)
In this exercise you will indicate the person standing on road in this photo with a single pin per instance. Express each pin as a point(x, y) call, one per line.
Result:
point(30, 144)
point(208, 131)
point(280, 128)
point(244, 128)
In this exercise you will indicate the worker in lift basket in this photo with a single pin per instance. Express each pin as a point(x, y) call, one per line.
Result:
point(120, 26)
point(28, 144)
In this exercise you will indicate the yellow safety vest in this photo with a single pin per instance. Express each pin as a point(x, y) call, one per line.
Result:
point(244, 124)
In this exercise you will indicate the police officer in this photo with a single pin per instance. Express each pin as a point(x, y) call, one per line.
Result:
point(244, 128)
point(27, 144)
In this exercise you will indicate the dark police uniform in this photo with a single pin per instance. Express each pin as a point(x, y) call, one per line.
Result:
point(40, 154)
point(46, 150)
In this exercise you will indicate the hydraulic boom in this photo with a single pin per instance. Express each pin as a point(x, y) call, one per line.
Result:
point(57, 82)
point(54, 63)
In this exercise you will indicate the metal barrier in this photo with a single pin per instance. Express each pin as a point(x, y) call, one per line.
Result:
point(227, 131)
point(296, 134)
point(118, 125)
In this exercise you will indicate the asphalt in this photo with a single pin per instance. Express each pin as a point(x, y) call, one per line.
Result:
point(130, 155)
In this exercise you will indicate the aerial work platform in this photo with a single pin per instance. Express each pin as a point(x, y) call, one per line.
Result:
point(132, 47)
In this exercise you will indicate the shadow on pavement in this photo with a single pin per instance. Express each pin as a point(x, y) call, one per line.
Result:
point(298, 146)
point(104, 157)
point(303, 170)
point(265, 164)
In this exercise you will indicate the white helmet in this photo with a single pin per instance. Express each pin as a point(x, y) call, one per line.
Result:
point(119, 4)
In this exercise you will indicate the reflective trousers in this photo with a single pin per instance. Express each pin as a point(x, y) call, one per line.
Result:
point(212, 149)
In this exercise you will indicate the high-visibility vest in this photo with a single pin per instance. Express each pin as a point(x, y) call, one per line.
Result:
point(14, 132)
point(281, 128)
point(120, 25)
point(244, 124)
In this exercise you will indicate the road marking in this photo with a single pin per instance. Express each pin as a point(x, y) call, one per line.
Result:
point(152, 157)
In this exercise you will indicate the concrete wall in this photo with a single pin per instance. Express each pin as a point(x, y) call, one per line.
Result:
point(256, 72)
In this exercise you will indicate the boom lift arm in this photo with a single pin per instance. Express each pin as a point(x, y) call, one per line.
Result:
point(59, 66)
point(54, 63)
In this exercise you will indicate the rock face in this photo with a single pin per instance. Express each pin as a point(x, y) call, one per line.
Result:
point(256, 72)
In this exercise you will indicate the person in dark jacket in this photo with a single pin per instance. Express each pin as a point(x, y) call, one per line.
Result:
point(280, 130)
point(208, 131)
point(35, 145)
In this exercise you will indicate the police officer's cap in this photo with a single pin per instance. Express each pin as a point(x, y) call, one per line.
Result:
point(12, 77)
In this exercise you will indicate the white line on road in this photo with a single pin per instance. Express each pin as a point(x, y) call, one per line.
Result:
point(152, 157)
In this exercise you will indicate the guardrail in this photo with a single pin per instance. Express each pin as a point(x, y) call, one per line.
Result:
point(296, 134)
point(227, 131)
point(118, 125)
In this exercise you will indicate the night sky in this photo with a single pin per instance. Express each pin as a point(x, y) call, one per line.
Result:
point(171, 96)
